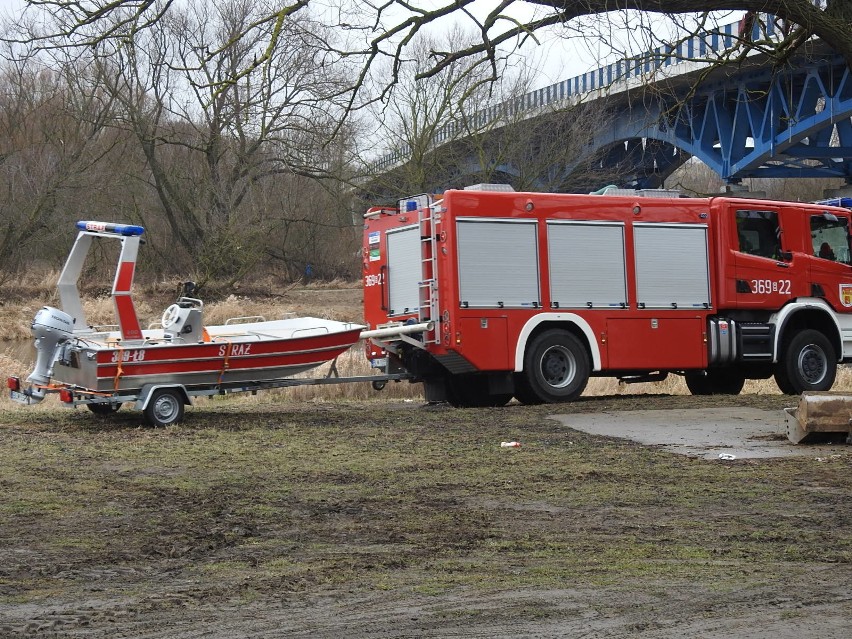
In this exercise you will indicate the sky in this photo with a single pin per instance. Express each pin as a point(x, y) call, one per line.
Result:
point(561, 51)
point(8, 7)
point(565, 51)
point(557, 58)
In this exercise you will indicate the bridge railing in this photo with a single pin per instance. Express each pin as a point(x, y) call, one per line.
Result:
point(705, 46)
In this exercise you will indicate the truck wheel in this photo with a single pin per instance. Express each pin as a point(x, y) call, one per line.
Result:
point(523, 392)
point(471, 391)
point(435, 390)
point(807, 362)
point(556, 366)
point(165, 407)
point(103, 409)
point(714, 382)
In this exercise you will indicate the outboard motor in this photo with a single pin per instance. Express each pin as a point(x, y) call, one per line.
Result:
point(51, 327)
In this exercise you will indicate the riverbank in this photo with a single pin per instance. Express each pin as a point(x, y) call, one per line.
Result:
point(388, 518)
point(315, 511)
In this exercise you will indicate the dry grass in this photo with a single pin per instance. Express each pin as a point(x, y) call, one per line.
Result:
point(33, 283)
point(331, 300)
point(335, 300)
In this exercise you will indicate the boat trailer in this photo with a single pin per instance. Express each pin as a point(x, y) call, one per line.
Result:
point(162, 404)
point(161, 368)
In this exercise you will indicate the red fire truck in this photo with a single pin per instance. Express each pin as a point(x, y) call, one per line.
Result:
point(527, 295)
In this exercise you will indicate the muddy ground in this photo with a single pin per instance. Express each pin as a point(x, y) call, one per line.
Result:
point(292, 514)
point(276, 518)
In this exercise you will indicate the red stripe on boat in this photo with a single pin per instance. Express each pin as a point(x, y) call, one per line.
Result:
point(124, 278)
point(210, 358)
point(127, 319)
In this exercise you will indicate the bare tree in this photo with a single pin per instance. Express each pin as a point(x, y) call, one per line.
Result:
point(546, 148)
point(208, 139)
point(424, 118)
point(53, 141)
point(458, 128)
point(385, 29)
point(222, 97)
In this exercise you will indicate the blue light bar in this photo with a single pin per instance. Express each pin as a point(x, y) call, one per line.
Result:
point(845, 202)
point(110, 227)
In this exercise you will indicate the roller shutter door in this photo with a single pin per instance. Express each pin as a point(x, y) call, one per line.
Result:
point(672, 269)
point(498, 263)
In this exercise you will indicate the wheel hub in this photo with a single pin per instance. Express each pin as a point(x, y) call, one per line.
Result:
point(812, 364)
point(558, 366)
point(165, 407)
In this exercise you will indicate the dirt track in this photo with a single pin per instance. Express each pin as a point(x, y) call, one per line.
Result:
point(389, 519)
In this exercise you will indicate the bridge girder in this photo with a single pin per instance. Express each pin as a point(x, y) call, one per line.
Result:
point(753, 120)
point(771, 123)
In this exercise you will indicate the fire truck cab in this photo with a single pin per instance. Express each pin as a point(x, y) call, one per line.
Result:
point(527, 295)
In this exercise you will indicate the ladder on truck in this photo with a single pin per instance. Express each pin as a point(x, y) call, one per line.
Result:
point(429, 307)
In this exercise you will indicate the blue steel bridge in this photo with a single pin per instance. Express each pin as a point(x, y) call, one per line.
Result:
point(744, 120)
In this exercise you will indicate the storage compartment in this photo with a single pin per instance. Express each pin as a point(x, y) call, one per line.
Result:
point(659, 343)
point(484, 342)
point(404, 271)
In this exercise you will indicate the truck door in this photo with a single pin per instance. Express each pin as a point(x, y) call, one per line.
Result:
point(830, 261)
point(766, 276)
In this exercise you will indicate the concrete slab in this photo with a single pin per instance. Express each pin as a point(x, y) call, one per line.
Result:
point(703, 432)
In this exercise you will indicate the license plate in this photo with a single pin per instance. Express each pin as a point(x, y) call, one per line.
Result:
point(381, 362)
point(18, 396)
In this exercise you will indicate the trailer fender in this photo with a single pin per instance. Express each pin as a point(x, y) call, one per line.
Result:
point(814, 304)
point(562, 318)
point(148, 390)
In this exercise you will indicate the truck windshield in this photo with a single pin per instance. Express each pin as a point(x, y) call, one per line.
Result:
point(830, 237)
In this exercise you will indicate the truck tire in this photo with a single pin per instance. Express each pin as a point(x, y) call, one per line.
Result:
point(556, 366)
point(165, 407)
point(807, 362)
point(471, 391)
point(523, 392)
point(715, 382)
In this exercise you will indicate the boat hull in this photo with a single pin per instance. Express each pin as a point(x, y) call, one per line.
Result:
point(232, 355)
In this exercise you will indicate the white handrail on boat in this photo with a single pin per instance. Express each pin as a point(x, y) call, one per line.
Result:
point(103, 328)
point(236, 320)
point(312, 328)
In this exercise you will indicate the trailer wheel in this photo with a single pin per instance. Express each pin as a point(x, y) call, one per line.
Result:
point(556, 366)
point(807, 362)
point(715, 382)
point(165, 407)
point(103, 409)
